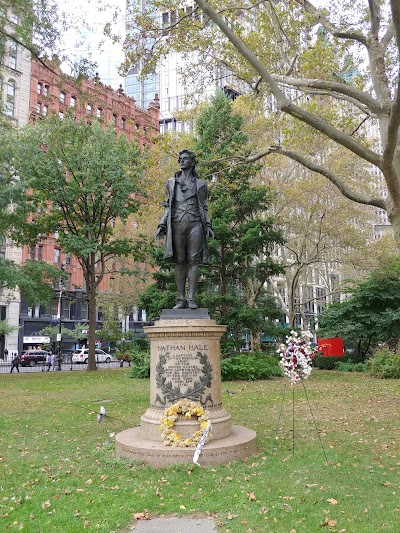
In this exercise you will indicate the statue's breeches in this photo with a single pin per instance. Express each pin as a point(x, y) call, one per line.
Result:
point(187, 242)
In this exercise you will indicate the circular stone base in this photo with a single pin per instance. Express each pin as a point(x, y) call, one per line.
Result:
point(130, 444)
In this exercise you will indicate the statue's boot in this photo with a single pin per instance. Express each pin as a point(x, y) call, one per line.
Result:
point(180, 279)
point(193, 279)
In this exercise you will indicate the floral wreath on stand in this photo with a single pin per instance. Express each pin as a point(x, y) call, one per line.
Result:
point(188, 410)
point(297, 356)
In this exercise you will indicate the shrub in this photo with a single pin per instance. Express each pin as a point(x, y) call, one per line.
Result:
point(384, 364)
point(140, 365)
point(326, 362)
point(139, 357)
point(249, 367)
point(350, 366)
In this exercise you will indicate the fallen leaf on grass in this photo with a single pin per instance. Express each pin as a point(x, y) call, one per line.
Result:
point(141, 516)
point(46, 504)
point(332, 501)
point(329, 522)
point(251, 496)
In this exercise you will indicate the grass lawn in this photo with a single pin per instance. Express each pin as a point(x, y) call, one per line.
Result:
point(58, 472)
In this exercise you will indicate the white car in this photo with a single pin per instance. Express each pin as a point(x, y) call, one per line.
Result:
point(81, 356)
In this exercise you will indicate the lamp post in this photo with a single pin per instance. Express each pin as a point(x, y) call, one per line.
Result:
point(59, 316)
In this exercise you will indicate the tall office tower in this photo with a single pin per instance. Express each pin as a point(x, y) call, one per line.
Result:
point(166, 80)
point(90, 44)
point(142, 90)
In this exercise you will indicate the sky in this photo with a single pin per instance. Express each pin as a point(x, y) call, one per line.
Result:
point(86, 40)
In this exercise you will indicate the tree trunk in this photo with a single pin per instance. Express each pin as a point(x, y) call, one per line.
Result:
point(255, 341)
point(91, 292)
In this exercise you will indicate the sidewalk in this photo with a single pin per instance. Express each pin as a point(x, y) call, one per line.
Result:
point(175, 525)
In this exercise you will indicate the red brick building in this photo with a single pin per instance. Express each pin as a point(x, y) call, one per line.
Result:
point(54, 92)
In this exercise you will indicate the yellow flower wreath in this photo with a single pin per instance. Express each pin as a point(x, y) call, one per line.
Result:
point(189, 410)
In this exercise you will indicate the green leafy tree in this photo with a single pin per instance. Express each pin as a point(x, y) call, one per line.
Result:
point(371, 314)
point(82, 181)
point(246, 235)
point(232, 287)
point(33, 24)
point(34, 280)
point(330, 72)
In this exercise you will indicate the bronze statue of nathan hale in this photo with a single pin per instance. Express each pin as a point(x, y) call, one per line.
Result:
point(186, 225)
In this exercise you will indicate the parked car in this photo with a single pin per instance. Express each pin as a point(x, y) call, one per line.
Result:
point(32, 357)
point(81, 356)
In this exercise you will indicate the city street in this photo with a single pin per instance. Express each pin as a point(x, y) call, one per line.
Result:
point(6, 366)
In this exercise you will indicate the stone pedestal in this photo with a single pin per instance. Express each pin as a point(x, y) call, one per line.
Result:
point(185, 363)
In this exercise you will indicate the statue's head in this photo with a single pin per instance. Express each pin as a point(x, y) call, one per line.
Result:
point(188, 154)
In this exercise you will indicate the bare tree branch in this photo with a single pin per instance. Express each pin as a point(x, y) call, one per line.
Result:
point(283, 103)
point(390, 32)
point(342, 88)
point(331, 28)
point(305, 162)
point(394, 121)
point(375, 10)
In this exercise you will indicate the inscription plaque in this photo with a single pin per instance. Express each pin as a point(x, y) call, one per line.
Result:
point(183, 370)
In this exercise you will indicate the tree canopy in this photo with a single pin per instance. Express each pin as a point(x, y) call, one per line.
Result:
point(371, 313)
point(232, 286)
point(334, 69)
point(33, 24)
point(81, 182)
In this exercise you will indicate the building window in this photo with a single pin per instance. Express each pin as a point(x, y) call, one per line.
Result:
point(45, 110)
point(2, 248)
point(32, 252)
point(89, 109)
point(60, 115)
point(12, 54)
point(68, 259)
point(62, 97)
point(10, 109)
point(72, 102)
point(84, 311)
point(114, 120)
point(10, 104)
point(66, 309)
point(123, 123)
point(38, 107)
point(99, 112)
point(46, 90)
point(11, 89)
point(39, 88)
point(14, 18)
point(40, 253)
point(56, 256)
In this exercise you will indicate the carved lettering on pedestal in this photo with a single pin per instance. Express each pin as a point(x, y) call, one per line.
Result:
point(183, 371)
